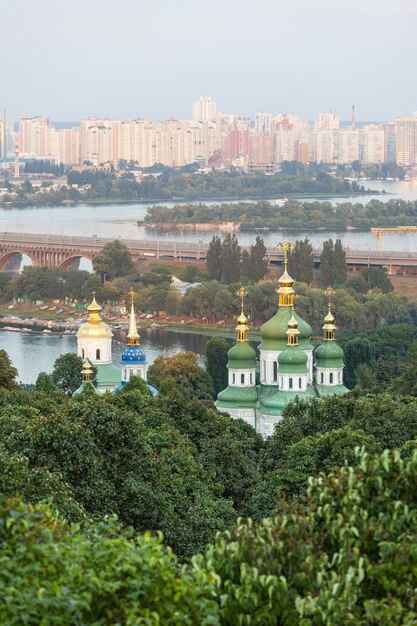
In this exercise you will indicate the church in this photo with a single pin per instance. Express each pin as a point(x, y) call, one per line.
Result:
point(289, 366)
point(94, 346)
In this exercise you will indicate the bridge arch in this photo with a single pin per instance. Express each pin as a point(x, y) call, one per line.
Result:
point(75, 259)
point(8, 256)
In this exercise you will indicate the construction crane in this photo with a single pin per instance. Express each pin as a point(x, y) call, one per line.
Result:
point(395, 230)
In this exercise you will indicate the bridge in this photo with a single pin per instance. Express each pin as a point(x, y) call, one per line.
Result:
point(48, 250)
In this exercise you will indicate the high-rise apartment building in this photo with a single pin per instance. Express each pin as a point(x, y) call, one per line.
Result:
point(263, 122)
point(204, 109)
point(372, 141)
point(406, 140)
point(348, 145)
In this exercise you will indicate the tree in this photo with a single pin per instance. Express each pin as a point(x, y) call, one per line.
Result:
point(214, 259)
point(183, 369)
point(301, 261)
point(341, 560)
point(113, 261)
point(216, 350)
point(45, 383)
point(8, 373)
point(231, 258)
point(253, 263)
point(67, 372)
point(357, 352)
point(406, 383)
point(333, 267)
point(42, 582)
point(372, 278)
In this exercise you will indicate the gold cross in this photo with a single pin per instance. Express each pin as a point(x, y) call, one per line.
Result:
point(242, 293)
point(329, 293)
point(285, 247)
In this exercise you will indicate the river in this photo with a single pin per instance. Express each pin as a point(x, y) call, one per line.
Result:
point(34, 353)
point(120, 220)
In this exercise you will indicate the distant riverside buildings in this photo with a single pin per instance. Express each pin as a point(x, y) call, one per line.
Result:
point(216, 139)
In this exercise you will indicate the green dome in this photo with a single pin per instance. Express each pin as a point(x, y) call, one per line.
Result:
point(241, 356)
point(274, 331)
point(292, 361)
point(237, 397)
point(329, 354)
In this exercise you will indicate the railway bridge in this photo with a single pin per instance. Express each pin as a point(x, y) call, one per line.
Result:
point(48, 250)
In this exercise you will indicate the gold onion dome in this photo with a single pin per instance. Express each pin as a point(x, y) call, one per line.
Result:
point(87, 371)
point(94, 327)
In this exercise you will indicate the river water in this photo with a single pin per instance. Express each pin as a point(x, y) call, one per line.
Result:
point(120, 220)
point(34, 353)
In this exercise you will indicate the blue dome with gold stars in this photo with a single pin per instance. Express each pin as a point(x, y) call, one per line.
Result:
point(133, 354)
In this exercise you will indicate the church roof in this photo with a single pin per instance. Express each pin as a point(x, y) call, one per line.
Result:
point(234, 397)
point(329, 354)
point(274, 331)
point(241, 356)
point(108, 375)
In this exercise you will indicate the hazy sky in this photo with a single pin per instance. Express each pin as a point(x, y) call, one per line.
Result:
point(151, 58)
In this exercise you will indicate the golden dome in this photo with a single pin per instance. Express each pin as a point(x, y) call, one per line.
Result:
point(285, 280)
point(94, 328)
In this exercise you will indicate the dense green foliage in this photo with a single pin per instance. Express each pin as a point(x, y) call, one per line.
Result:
point(333, 268)
point(52, 573)
point(301, 261)
point(164, 183)
point(294, 214)
point(215, 351)
point(226, 261)
point(114, 261)
point(346, 559)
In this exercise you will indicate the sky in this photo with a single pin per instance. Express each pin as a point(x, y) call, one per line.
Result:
point(151, 58)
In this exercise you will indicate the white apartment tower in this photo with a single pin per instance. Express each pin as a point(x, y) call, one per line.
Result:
point(204, 109)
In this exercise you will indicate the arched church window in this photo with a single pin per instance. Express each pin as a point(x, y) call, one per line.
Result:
point(275, 371)
point(251, 379)
point(299, 383)
point(290, 383)
point(242, 379)
point(322, 378)
point(98, 354)
point(331, 378)
point(233, 378)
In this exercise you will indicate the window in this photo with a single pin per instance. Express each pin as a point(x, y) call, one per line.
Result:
point(242, 379)
point(251, 379)
point(331, 377)
point(98, 354)
point(322, 378)
point(233, 378)
point(299, 383)
point(275, 371)
point(340, 377)
point(83, 353)
point(290, 383)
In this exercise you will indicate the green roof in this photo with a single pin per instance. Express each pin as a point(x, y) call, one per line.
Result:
point(274, 332)
point(272, 401)
point(108, 375)
point(241, 356)
point(236, 397)
point(323, 391)
point(87, 389)
point(329, 354)
point(292, 361)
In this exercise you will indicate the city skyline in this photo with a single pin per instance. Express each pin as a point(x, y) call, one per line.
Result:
point(151, 59)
